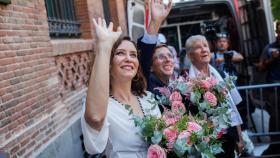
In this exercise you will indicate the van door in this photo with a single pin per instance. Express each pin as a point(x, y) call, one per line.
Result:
point(136, 18)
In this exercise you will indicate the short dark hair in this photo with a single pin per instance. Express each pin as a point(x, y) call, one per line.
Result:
point(139, 84)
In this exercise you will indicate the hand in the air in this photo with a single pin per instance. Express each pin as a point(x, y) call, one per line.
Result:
point(104, 34)
point(159, 10)
point(275, 54)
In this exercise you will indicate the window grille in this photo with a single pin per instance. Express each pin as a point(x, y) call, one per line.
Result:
point(62, 19)
point(5, 1)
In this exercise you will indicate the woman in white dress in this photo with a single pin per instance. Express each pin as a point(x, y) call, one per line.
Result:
point(116, 80)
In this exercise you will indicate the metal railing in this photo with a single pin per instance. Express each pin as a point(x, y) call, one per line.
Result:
point(62, 19)
point(266, 98)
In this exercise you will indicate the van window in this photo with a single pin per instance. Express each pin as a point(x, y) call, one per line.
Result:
point(136, 18)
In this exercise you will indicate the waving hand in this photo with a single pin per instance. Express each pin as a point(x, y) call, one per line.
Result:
point(105, 35)
point(160, 10)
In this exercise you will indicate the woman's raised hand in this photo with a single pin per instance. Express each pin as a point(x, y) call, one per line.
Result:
point(105, 35)
point(98, 89)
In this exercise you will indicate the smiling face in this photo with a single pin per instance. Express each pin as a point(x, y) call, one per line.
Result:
point(124, 63)
point(200, 53)
point(163, 63)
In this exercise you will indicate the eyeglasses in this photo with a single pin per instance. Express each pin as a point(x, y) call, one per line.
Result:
point(162, 56)
point(221, 35)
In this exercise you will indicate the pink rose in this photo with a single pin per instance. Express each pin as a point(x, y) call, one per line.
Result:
point(206, 139)
point(178, 107)
point(170, 118)
point(171, 135)
point(175, 96)
point(204, 84)
point(155, 151)
point(170, 121)
point(185, 135)
point(213, 81)
point(193, 127)
point(210, 98)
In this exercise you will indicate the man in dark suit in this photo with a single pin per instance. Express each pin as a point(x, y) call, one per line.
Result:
point(156, 60)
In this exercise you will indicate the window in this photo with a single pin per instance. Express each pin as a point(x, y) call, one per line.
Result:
point(136, 16)
point(5, 1)
point(107, 13)
point(62, 19)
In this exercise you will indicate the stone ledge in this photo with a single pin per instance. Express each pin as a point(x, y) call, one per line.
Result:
point(67, 46)
point(59, 106)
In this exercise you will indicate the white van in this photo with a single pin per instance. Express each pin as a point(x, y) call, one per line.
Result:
point(249, 24)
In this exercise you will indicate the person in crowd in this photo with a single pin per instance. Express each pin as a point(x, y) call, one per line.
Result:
point(270, 62)
point(157, 61)
point(116, 82)
point(271, 58)
point(198, 52)
point(162, 40)
point(224, 59)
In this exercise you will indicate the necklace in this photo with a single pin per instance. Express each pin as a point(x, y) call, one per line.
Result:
point(138, 99)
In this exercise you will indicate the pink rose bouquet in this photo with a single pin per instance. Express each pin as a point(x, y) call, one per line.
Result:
point(196, 113)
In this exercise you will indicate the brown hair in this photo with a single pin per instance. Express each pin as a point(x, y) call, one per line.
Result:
point(138, 85)
point(277, 24)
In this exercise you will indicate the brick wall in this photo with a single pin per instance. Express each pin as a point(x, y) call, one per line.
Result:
point(28, 78)
point(118, 14)
point(42, 80)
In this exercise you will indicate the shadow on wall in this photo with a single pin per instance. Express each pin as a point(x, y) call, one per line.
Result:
point(68, 144)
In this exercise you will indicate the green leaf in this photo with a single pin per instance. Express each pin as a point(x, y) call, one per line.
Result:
point(182, 87)
point(180, 147)
point(157, 137)
point(129, 109)
point(216, 148)
point(195, 97)
point(275, 5)
point(204, 105)
point(208, 154)
point(137, 121)
point(181, 124)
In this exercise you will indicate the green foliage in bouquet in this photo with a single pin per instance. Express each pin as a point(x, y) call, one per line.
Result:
point(181, 131)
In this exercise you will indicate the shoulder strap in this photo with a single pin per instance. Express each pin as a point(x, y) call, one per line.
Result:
point(215, 55)
point(222, 73)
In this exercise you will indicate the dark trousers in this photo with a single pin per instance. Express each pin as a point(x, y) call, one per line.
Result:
point(229, 143)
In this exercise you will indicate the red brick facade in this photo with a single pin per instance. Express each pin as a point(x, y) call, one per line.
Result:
point(43, 80)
